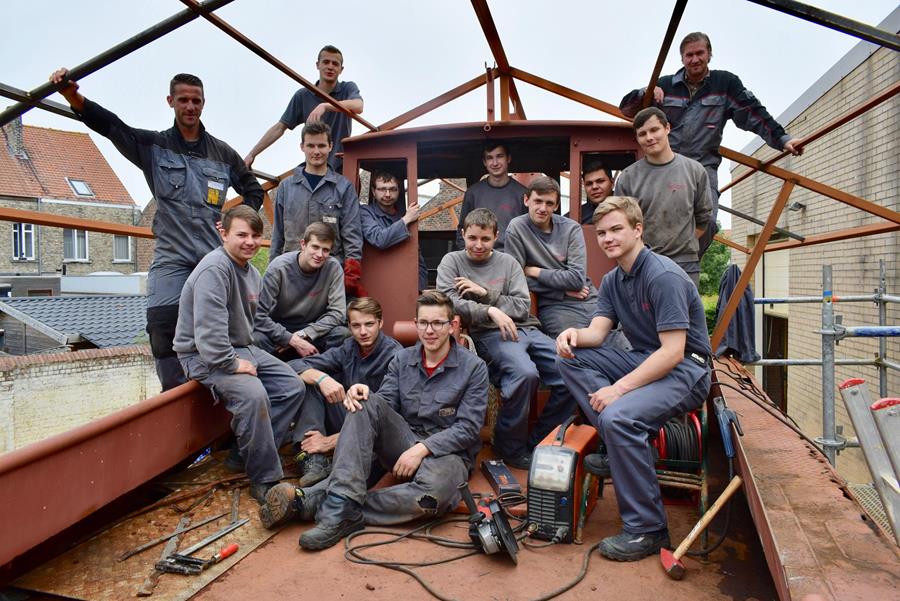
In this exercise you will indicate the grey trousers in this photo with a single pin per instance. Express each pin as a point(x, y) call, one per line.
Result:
point(379, 432)
point(262, 406)
point(333, 338)
point(317, 414)
point(556, 316)
point(517, 368)
point(626, 425)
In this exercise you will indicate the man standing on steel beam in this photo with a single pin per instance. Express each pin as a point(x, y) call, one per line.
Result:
point(673, 192)
point(306, 107)
point(188, 172)
point(698, 103)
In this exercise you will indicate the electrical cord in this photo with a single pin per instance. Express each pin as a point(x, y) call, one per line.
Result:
point(725, 528)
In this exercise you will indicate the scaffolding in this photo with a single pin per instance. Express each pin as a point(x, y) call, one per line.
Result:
point(833, 331)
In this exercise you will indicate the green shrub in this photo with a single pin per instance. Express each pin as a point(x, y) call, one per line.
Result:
point(709, 308)
point(261, 260)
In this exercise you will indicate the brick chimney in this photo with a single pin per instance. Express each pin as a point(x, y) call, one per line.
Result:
point(15, 139)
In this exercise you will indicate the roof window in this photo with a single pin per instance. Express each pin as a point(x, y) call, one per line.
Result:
point(80, 187)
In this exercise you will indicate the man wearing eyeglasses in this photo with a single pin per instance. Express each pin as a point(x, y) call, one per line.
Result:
point(362, 359)
point(490, 294)
point(423, 424)
point(384, 224)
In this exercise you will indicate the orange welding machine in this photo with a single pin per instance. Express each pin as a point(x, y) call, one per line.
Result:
point(556, 505)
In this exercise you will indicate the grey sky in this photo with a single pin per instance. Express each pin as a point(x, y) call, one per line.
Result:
point(402, 53)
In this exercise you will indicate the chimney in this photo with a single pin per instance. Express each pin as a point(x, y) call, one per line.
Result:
point(15, 139)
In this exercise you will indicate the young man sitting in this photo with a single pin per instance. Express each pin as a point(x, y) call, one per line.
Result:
point(214, 342)
point(628, 395)
point(362, 359)
point(423, 424)
point(301, 306)
point(490, 294)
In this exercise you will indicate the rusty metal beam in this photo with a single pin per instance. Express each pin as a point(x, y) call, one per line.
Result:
point(441, 207)
point(811, 184)
point(731, 243)
point(436, 102)
point(452, 185)
point(504, 97)
point(486, 20)
point(48, 105)
point(111, 55)
point(850, 115)
point(546, 84)
point(490, 95)
point(863, 31)
point(750, 266)
point(844, 234)
point(269, 58)
point(52, 484)
point(663, 51)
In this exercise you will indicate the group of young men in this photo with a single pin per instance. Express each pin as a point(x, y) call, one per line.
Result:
point(295, 363)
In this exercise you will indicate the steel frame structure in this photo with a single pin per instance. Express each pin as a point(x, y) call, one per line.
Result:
point(188, 408)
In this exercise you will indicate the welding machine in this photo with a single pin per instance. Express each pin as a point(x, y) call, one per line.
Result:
point(555, 482)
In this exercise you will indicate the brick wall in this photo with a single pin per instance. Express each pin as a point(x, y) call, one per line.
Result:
point(862, 158)
point(43, 395)
point(48, 257)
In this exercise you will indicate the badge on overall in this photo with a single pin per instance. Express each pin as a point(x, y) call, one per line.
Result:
point(329, 219)
point(214, 192)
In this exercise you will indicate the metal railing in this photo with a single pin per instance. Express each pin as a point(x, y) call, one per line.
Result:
point(833, 331)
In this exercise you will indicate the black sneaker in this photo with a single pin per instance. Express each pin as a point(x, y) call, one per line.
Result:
point(597, 464)
point(315, 468)
point(632, 547)
point(337, 517)
point(286, 503)
point(519, 462)
point(258, 491)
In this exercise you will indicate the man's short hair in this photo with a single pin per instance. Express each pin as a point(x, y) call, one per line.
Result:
point(365, 304)
point(644, 115)
point(592, 166)
point(543, 185)
point(385, 176)
point(320, 230)
point(434, 298)
point(185, 78)
point(483, 218)
point(697, 36)
point(331, 50)
point(627, 204)
point(315, 128)
point(246, 213)
point(492, 144)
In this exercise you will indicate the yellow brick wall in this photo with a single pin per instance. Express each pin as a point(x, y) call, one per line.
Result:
point(862, 158)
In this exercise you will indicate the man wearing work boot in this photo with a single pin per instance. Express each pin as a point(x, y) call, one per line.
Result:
point(362, 359)
point(423, 424)
point(214, 342)
point(629, 395)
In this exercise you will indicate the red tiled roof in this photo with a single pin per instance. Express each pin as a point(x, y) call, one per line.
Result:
point(54, 155)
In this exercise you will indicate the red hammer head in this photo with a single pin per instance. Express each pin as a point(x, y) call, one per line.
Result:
point(671, 564)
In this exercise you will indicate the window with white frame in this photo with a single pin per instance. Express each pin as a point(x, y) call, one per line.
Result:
point(75, 245)
point(23, 241)
point(80, 187)
point(121, 249)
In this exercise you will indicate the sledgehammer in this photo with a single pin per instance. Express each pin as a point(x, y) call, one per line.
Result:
point(671, 562)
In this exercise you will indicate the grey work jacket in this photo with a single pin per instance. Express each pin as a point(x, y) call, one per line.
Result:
point(346, 364)
point(334, 202)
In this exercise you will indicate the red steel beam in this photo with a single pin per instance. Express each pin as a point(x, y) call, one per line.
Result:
point(486, 20)
point(663, 51)
point(738, 293)
point(441, 207)
point(811, 184)
point(546, 84)
point(269, 58)
point(54, 483)
point(845, 234)
point(490, 96)
point(438, 101)
point(732, 244)
point(850, 115)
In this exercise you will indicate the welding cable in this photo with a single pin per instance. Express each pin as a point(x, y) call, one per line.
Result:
point(742, 387)
point(725, 528)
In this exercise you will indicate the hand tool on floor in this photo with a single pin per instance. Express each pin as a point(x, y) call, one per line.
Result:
point(671, 562)
point(153, 577)
point(178, 563)
point(172, 563)
point(163, 539)
point(235, 505)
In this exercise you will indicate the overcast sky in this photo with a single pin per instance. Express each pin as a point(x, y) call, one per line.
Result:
point(402, 53)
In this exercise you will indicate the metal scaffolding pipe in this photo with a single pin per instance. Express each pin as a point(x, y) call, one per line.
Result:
point(753, 219)
point(890, 298)
point(882, 321)
point(829, 440)
point(867, 331)
point(781, 300)
point(808, 362)
point(890, 364)
point(110, 56)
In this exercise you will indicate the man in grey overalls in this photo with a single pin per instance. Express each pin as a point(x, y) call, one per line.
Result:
point(423, 424)
point(629, 395)
point(189, 173)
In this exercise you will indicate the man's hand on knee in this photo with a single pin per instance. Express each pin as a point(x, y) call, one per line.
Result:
point(332, 390)
point(316, 442)
point(410, 460)
point(245, 367)
point(604, 397)
point(565, 342)
point(355, 396)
